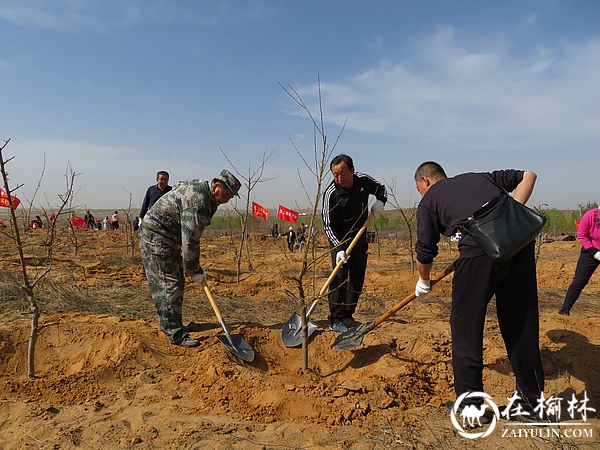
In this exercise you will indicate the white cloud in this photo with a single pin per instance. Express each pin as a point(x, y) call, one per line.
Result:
point(463, 98)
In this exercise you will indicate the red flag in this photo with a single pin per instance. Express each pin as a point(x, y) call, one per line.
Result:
point(78, 222)
point(286, 214)
point(259, 211)
point(577, 222)
point(4, 200)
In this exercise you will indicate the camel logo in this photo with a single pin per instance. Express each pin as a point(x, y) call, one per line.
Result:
point(473, 417)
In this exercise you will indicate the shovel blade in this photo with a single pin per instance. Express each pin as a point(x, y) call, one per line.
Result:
point(238, 346)
point(353, 337)
point(291, 333)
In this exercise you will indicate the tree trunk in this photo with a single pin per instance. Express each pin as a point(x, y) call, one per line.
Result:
point(33, 334)
point(304, 338)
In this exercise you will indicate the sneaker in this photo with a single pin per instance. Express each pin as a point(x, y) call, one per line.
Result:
point(564, 312)
point(338, 327)
point(187, 341)
point(483, 420)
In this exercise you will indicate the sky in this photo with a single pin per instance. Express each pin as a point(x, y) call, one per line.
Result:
point(117, 90)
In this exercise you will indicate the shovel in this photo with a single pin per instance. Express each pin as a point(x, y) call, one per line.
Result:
point(238, 346)
point(354, 336)
point(291, 335)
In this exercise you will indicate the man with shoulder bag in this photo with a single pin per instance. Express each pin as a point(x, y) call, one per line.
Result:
point(446, 205)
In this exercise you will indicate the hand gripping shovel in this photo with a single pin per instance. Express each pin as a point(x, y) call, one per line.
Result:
point(354, 336)
point(291, 333)
point(238, 346)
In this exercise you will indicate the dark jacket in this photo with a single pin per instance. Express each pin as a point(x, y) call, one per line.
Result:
point(345, 210)
point(452, 200)
point(152, 195)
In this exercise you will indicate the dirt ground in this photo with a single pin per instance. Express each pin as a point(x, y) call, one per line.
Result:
point(107, 379)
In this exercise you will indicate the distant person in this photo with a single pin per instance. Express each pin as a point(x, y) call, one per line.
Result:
point(446, 203)
point(154, 192)
point(36, 223)
point(301, 236)
point(274, 232)
point(588, 234)
point(566, 237)
point(90, 222)
point(170, 245)
point(291, 238)
point(114, 221)
point(345, 211)
point(106, 224)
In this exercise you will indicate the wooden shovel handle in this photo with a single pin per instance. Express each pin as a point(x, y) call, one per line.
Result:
point(211, 299)
point(348, 250)
point(447, 271)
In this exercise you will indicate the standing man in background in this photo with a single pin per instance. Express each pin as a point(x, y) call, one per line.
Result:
point(345, 210)
point(155, 192)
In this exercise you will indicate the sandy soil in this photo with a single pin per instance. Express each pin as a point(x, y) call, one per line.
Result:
point(106, 380)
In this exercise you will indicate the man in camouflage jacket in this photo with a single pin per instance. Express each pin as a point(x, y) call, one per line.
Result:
point(170, 245)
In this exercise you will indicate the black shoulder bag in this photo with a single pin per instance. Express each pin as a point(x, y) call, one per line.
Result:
point(502, 227)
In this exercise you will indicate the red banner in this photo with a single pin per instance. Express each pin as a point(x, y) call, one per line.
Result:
point(286, 214)
point(259, 211)
point(78, 222)
point(4, 200)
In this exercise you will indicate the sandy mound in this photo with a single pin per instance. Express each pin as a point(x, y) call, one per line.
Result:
point(112, 381)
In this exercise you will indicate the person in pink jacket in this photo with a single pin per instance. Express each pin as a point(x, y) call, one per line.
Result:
point(588, 234)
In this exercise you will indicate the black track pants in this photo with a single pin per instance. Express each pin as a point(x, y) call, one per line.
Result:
point(348, 283)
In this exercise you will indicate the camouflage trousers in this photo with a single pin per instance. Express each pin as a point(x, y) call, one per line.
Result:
point(164, 271)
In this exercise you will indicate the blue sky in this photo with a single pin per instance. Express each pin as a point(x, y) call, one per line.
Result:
point(121, 89)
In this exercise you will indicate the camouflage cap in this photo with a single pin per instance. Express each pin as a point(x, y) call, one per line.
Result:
point(230, 181)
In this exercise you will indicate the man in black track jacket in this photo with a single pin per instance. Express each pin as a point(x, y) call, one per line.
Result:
point(345, 210)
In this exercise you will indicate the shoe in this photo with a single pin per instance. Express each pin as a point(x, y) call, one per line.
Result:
point(350, 322)
point(534, 419)
point(564, 312)
point(187, 341)
point(338, 327)
point(531, 418)
point(483, 420)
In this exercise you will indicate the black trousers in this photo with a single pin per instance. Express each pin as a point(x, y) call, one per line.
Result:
point(586, 266)
point(348, 283)
point(475, 281)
